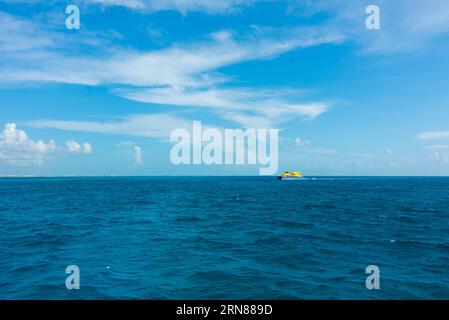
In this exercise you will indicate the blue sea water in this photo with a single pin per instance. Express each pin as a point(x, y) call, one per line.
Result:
point(224, 237)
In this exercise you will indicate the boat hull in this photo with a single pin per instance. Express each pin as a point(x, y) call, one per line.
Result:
point(290, 178)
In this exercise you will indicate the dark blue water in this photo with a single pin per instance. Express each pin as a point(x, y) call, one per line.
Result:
point(224, 238)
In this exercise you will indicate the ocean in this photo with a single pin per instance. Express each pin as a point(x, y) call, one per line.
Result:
point(224, 237)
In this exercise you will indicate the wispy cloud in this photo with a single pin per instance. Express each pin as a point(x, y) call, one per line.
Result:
point(434, 135)
point(136, 149)
point(439, 153)
point(151, 6)
point(406, 25)
point(255, 108)
point(183, 64)
point(17, 34)
point(184, 74)
point(138, 161)
point(302, 142)
point(150, 125)
point(183, 6)
point(438, 147)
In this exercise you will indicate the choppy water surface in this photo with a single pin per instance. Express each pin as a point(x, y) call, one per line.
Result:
point(224, 238)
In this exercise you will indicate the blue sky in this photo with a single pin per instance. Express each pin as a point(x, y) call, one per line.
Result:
point(103, 99)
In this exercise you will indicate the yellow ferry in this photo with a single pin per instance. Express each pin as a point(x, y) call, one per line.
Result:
point(291, 175)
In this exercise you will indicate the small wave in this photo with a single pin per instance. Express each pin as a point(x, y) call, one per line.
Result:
point(215, 275)
point(188, 219)
point(411, 209)
point(273, 240)
point(320, 206)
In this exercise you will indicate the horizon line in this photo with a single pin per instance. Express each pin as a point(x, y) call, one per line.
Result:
point(217, 176)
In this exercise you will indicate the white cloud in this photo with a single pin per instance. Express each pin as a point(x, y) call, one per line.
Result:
point(439, 153)
point(87, 148)
point(434, 135)
point(183, 6)
point(138, 156)
point(440, 156)
point(406, 25)
point(183, 64)
point(75, 147)
point(183, 74)
point(438, 147)
point(132, 4)
point(17, 148)
point(263, 107)
point(301, 142)
point(248, 120)
point(150, 6)
point(18, 34)
point(137, 151)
